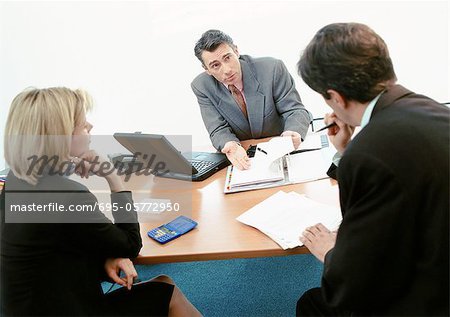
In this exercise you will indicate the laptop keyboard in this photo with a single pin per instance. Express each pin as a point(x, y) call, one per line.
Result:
point(201, 165)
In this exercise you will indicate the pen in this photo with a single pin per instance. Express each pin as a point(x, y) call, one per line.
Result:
point(332, 124)
point(261, 150)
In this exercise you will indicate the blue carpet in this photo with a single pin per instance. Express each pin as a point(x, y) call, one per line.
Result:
point(242, 287)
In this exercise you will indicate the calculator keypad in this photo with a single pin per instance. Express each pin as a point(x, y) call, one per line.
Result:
point(162, 234)
point(172, 230)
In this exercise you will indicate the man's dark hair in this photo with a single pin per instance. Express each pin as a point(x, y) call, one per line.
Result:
point(209, 41)
point(349, 58)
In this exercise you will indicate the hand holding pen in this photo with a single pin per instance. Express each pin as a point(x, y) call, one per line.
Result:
point(332, 124)
point(339, 132)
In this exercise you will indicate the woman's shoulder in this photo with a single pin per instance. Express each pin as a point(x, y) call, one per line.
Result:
point(56, 182)
point(61, 184)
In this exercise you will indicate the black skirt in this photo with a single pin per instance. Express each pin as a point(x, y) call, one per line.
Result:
point(144, 299)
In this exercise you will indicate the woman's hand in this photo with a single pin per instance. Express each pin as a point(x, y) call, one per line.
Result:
point(91, 163)
point(113, 267)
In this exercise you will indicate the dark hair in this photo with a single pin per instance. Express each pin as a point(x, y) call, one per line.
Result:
point(349, 58)
point(210, 40)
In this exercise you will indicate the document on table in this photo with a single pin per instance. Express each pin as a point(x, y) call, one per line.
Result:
point(307, 166)
point(284, 216)
point(267, 166)
point(274, 149)
point(273, 165)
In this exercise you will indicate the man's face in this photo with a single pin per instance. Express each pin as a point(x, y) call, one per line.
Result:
point(346, 112)
point(340, 113)
point(223, 64)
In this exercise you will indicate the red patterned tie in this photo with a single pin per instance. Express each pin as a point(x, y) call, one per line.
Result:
point(237, 95)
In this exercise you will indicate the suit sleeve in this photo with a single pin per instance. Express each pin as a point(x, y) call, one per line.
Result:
point(218, 128)
point(288, 102)
point(374, 242)
point(98, 235)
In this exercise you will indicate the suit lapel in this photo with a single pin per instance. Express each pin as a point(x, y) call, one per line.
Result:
point(255, 99)
point(390, 96)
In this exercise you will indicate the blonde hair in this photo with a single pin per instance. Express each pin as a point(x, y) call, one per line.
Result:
point(40, 123)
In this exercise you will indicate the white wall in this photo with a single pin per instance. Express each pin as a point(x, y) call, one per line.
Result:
point(136, 58)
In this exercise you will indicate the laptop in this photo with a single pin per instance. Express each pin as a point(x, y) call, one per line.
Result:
point(159, 155)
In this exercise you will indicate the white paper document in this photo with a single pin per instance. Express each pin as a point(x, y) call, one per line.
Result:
point(307, 166)
point(284, 216)
point(274, 149)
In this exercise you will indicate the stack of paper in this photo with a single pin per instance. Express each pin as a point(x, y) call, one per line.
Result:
point(284, 216)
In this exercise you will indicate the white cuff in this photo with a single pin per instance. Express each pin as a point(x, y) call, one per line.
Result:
point(337, 158)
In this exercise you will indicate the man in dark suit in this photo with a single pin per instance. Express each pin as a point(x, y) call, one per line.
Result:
point(390, 255)
point(242, 98)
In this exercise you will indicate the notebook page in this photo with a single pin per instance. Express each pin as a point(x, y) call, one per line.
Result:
point(259, 172)
point(307, 166)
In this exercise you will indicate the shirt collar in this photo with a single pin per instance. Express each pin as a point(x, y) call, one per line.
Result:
point(368, 112)
point(241, 89)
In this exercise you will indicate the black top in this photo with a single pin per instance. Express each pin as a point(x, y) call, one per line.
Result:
point(392, 251)
point(56, 268)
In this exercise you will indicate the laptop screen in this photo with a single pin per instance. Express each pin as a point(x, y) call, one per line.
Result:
point(155, 151)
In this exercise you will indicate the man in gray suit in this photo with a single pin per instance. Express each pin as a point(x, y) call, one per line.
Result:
point(242, 98)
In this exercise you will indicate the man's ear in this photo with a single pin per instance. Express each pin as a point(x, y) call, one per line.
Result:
point(236, 51)
point(336, 99)
point(206, 69)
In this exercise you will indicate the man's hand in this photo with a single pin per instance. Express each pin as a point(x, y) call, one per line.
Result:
point(236, 155)
point(319, 240)
point(340, 134)
point(296, 138)
point(113, 268)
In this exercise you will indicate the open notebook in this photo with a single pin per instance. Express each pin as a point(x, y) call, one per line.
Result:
point(284, 216)
point(276, 163)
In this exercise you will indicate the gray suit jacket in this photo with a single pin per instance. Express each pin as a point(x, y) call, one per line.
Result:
point(273, 103)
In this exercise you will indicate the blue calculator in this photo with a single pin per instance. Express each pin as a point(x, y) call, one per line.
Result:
point(172, 230)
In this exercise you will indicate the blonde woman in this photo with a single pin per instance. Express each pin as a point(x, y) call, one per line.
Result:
point(56, 246)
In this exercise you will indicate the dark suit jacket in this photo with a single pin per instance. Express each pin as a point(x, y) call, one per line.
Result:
point(56, 268)
point(392, 251)
point(273, 103)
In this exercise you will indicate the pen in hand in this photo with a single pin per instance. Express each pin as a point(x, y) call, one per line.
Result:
point(332, 124)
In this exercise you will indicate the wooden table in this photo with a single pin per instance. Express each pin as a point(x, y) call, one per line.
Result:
point(218, 234)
